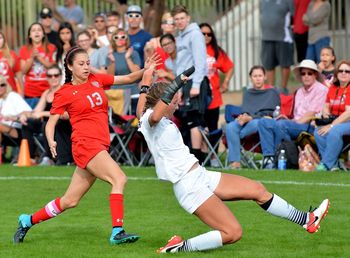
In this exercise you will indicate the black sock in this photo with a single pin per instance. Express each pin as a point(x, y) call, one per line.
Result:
point(199, 155)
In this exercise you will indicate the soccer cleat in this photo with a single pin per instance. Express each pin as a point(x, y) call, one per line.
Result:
point(122, 237)
point(316, 217)
point(173, 244)
point(24, 224)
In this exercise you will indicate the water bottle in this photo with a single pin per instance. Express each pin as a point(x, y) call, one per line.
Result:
point(282, 160)
point(277, 112)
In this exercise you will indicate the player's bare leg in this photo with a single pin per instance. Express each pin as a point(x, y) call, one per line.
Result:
point(80, 183)
point(105, 168)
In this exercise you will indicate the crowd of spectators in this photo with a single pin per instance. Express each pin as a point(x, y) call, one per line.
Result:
point(118, 44)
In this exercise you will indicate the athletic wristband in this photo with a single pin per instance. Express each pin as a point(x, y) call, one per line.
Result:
point(144, 89)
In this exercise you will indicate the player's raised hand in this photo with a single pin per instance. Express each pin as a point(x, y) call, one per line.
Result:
point(153, 60)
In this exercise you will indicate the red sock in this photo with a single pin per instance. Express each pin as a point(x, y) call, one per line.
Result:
point(52, 209)
point(117, 209)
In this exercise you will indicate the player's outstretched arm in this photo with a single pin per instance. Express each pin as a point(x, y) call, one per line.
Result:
point(152, 61)
point(50, 133)
point(146, 82)
point(161, 109)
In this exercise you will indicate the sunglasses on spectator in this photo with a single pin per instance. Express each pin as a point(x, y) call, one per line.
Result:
point(134, 15)
point(168, 22)
point(308, 73)
point(3, 85)
point(44, 16)
point(344, 71)
point(207, 34)
point(54, 75)
point(116, 37)
point(97, 21)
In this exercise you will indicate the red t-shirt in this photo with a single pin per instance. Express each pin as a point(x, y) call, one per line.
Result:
point(35, 82)
point(163, 56)
point(338, 98)
point(224, 64)
point(9, 72)
point(300, 9)
point(87, 106)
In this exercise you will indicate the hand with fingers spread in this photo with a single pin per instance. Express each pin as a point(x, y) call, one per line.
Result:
point(153, 60)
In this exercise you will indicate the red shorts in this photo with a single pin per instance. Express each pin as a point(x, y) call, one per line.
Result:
point(85, 149)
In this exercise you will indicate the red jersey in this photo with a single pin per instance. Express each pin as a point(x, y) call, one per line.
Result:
point(87, 106)
point(338, 98)
point(224, 64)
point(35, 82)
point(9, 71)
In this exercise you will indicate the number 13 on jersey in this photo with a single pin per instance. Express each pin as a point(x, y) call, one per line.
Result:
point(95, 99)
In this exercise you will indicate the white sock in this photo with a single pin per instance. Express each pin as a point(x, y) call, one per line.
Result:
point(283, 209)
point(206, 241)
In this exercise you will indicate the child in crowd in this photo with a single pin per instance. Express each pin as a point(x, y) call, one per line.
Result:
point(326, 66)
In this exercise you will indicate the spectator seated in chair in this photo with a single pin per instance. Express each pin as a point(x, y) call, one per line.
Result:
point(308, 102)
point(12, 108)
point(329, 135)
point(259, 101)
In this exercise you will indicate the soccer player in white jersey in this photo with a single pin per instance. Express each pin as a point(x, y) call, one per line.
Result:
point(199, 191)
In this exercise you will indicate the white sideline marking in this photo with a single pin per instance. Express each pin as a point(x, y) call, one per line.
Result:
point(4, 178)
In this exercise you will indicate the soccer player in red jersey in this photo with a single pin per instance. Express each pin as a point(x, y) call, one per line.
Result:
point(83, 98)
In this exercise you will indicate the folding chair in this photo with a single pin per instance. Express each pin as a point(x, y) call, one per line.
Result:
point(122, 129)
point(38, 140)
point(212, 140)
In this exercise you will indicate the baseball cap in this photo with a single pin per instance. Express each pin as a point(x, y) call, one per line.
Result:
point(45, 12)
point(134, 9)
point(100, 14)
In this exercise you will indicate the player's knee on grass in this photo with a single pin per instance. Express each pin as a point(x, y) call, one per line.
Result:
point(232, 234)
point(261, 193)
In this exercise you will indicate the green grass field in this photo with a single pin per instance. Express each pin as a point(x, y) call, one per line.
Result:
point(152, 211)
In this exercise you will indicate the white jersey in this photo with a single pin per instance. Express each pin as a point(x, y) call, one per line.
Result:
point(172, 157)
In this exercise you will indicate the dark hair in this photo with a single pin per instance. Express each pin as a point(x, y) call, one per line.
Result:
point(44, 40)
point(257, 67)
point(69, 61)
point(60, 50)
point(336, 71)
point(179, 9)
point(213, 43)
point(333, 53)
point(113, 13)
point(167, 36)
point(154, 94)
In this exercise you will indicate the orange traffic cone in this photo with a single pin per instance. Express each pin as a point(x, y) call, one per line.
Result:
point(24, 156)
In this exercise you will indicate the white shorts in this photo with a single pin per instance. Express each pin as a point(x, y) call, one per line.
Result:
point(195, 188)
